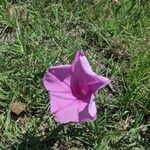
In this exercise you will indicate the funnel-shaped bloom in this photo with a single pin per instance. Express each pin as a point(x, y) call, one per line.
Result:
point(72, 89)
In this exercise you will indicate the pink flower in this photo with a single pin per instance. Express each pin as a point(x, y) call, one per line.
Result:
point(72, 89)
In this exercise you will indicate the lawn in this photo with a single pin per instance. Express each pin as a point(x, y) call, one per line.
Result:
point(38, 34)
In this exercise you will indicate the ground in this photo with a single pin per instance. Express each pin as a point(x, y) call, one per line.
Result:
point(37, 34)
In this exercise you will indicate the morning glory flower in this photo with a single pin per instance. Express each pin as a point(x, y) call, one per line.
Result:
point(72, 90)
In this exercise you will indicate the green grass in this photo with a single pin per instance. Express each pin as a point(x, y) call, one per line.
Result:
point(37, 34)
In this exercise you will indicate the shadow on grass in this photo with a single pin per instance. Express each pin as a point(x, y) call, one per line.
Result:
point(57, 139)
point(31, 142)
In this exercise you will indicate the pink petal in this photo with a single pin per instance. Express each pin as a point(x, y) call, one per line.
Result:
point(101, 83)
point(83, 72)
point(77, 111)
point(77, 56)
point(58, 78)
point(89, 112)
point(57, 81)
point(60, 100)
point(68, 113)
point(92, 107)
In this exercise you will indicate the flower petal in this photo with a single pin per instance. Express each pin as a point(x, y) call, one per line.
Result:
point(92, 107)
point(84, 73)
point(70, 113)
point(77, 111)
point(99, 84)
point(60, 100)
point(77, 57)
point(57, 81)
point(89, 112)
point(58, 78)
